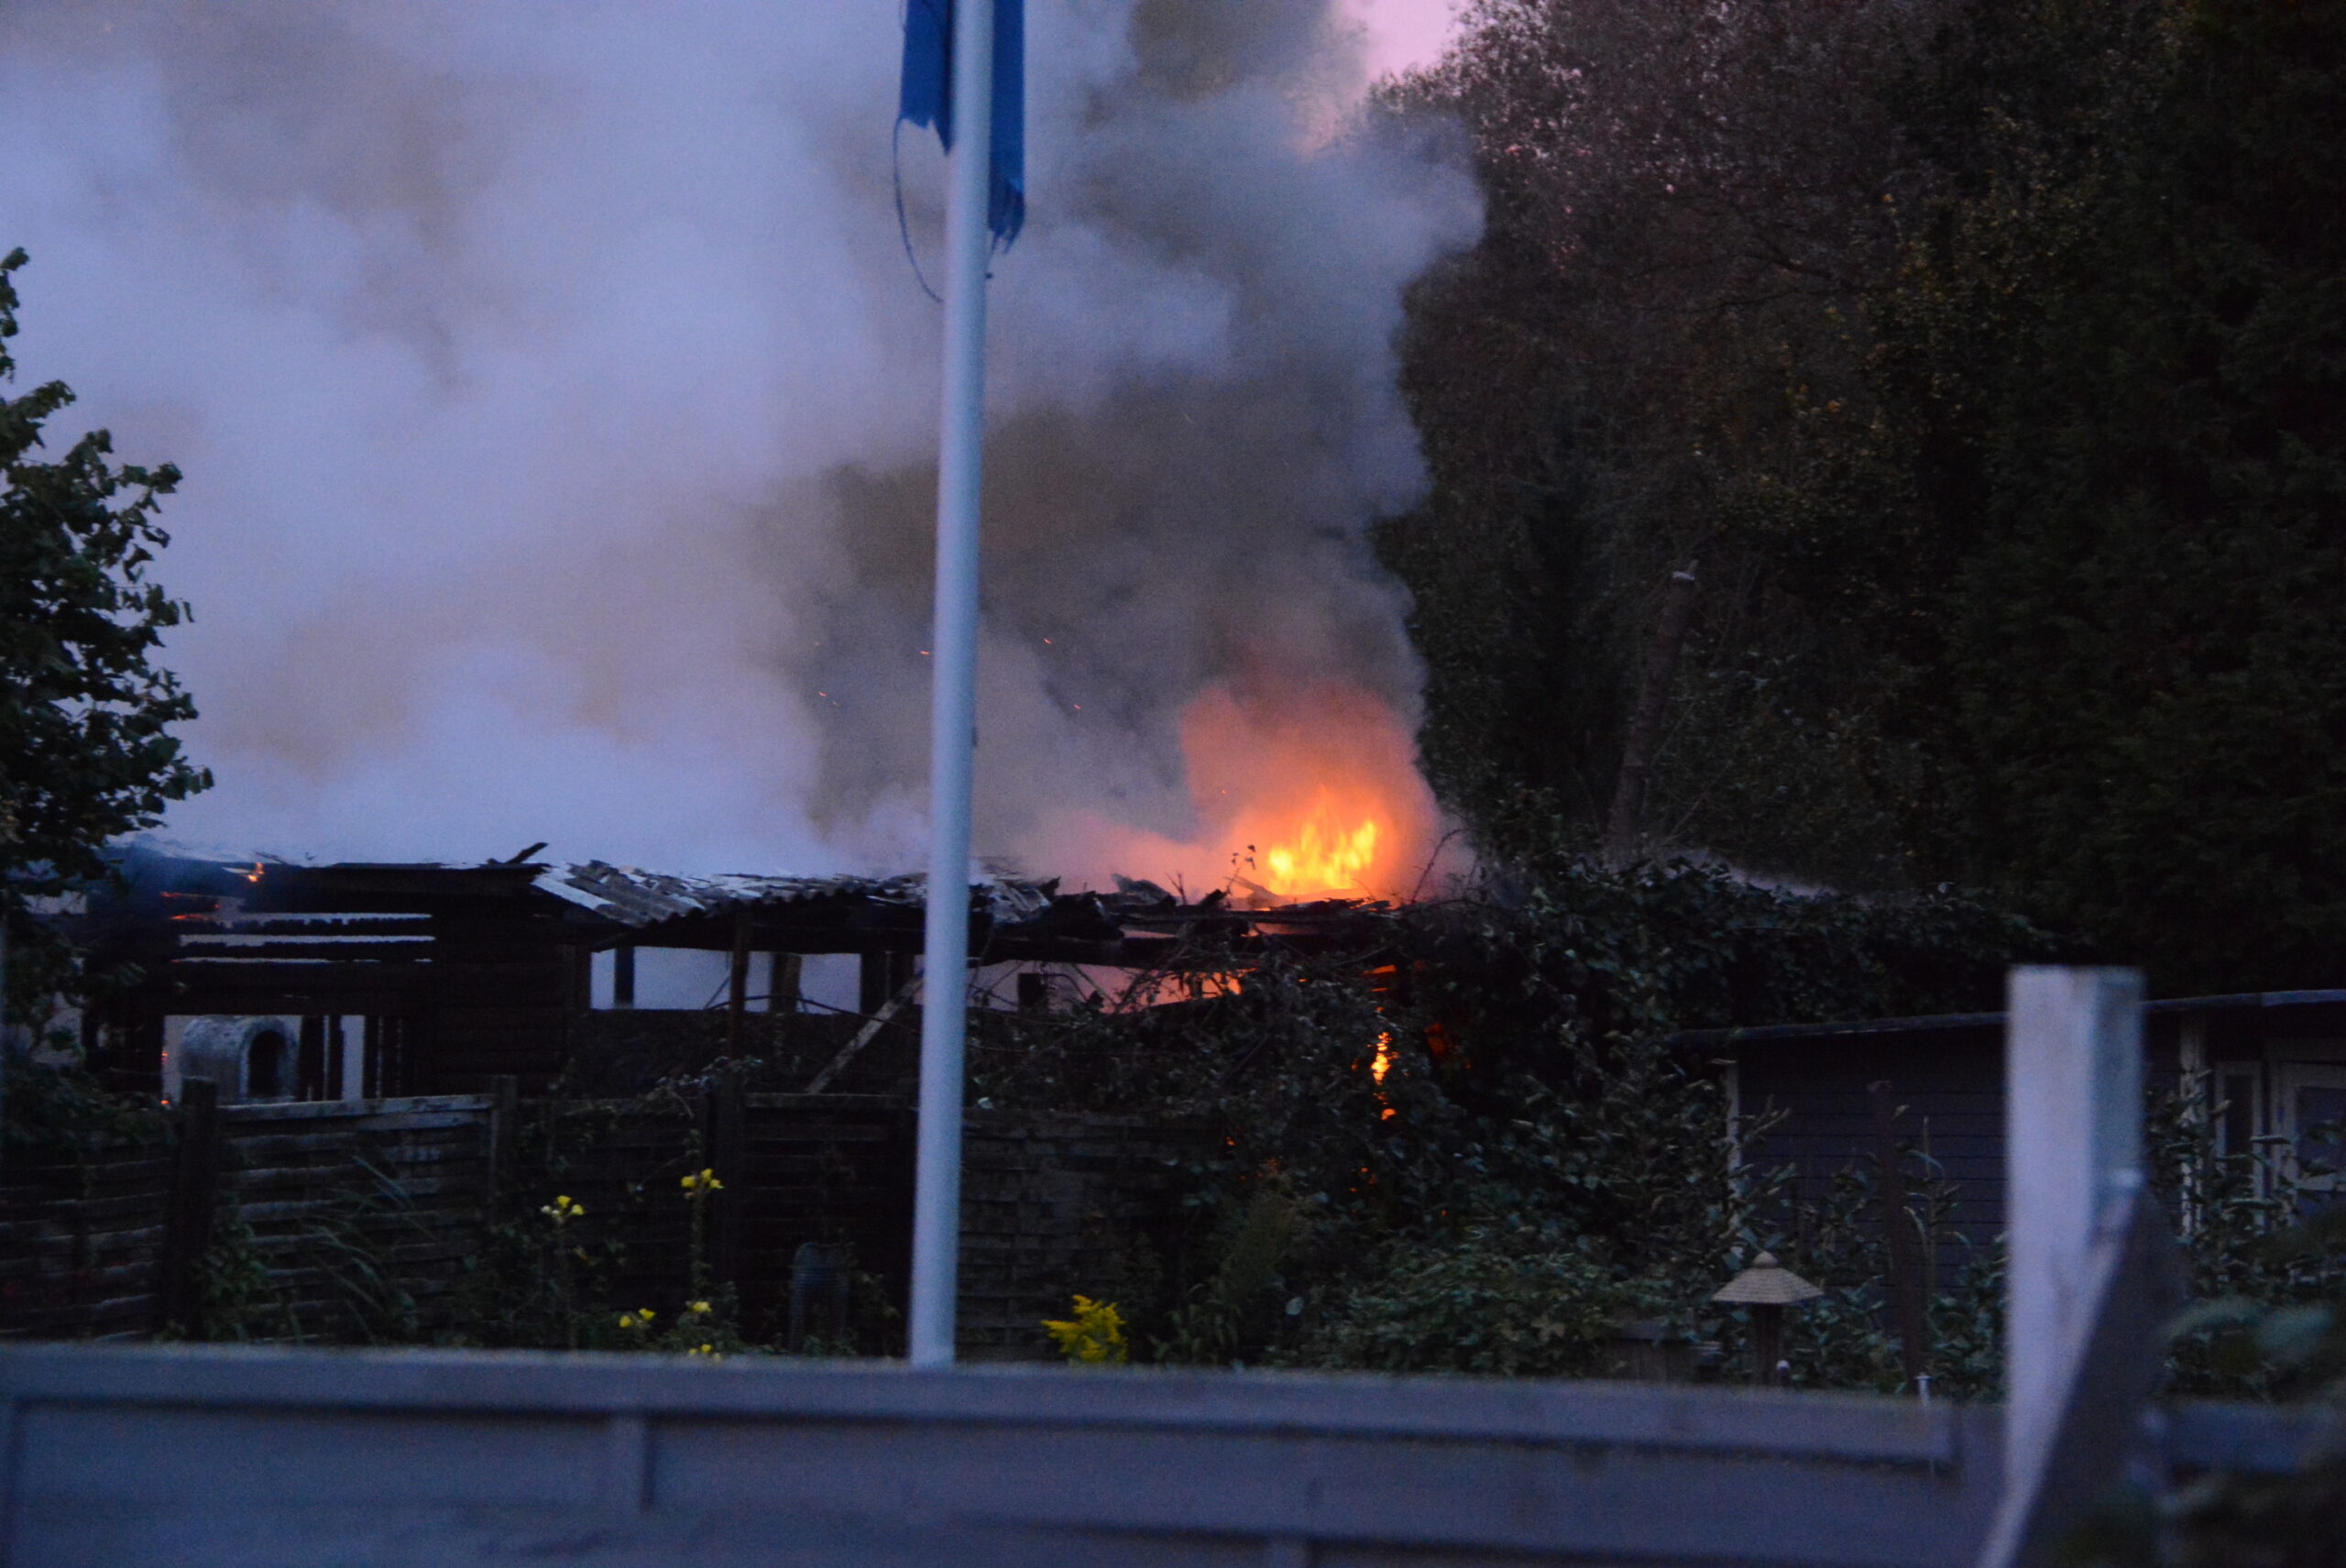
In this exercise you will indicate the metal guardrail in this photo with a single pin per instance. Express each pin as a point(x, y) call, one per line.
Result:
point(204, 1455)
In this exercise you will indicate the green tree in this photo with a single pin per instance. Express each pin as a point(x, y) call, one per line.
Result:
point(2090, 514)
point(2150, 648)
point(1991, 355)
point(85, 749)
point(1684, 207)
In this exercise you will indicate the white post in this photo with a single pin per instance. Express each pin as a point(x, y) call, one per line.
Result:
point(2073, 1156)
point(936, 1195)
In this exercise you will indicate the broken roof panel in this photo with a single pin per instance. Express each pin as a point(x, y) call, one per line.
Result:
point(639, 898)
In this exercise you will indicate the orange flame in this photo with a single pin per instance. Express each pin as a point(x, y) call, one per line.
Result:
point(1315, 791)
point(1324, 853)
point(1301, 792)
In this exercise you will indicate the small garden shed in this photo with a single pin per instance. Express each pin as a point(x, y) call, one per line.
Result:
point(2259, 1065)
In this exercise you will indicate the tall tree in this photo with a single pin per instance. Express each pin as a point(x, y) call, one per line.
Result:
point(1685, 205)
point(1991, 356)
point(2143, 715)
point(85, 749)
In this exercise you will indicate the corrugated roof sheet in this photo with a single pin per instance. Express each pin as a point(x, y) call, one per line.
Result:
point(636, 897)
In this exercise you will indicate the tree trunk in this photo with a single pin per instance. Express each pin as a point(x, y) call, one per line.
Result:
point(1623, 823)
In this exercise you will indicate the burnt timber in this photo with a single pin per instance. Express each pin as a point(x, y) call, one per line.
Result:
point(465, 973)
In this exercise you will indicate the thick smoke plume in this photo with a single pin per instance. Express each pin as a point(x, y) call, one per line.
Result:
point(558, 406)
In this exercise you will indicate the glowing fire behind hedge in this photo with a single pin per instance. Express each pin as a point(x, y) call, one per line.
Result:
point(1300, 793)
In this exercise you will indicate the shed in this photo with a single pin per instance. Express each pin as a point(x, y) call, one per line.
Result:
point(2262, 1064)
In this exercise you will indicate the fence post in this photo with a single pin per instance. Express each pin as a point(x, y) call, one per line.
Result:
point(505, 1101)
point(186, 1218)
point(726, 1135)
point(2092, 1272)
point(1898, 1233)
point(737, 983)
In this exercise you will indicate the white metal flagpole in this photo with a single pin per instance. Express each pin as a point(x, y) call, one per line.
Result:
point(969, 242)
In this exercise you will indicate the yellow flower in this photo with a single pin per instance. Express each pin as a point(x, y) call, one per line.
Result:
point(704, 1182)
point(700, 1308)
point(561, 1209)
point(1096, 1333)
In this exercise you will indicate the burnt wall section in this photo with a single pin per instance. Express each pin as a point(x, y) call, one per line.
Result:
point(504, 985)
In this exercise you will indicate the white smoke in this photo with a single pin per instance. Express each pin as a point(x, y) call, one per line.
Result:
point(556, 404)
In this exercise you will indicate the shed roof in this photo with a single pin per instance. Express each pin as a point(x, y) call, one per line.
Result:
point(639, 898)
point(2187, 1006)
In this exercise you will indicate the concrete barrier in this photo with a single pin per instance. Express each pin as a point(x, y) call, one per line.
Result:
point(216, 1457)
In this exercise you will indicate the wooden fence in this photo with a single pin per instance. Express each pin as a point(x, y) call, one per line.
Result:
point(330, 1193)
point(1052, 1205)
point(832, 1169)
point(362, 1212)
point(361, 1215)
point(1048, 1202)
point(81, 1243)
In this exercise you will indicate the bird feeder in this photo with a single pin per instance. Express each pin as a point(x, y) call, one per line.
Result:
point(1767, 1288)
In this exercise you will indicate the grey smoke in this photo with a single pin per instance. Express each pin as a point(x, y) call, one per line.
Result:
point(557, 405)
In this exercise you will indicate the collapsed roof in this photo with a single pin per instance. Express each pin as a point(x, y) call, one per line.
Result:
point(598, 904)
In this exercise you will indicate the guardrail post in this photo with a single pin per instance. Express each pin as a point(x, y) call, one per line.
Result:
point(2090, 1278)
point(187, 1217)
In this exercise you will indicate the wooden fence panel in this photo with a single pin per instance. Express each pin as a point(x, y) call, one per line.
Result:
point(81, 1243)
point(363, 1211)
point(1049, 1204)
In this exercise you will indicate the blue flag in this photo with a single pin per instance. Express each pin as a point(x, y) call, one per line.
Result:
point(926, 98)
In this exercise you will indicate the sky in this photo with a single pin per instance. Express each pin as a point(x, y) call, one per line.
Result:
point(1402, 34)
point(558, 404)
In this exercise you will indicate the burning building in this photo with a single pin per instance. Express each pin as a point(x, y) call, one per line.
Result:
point(365, 980)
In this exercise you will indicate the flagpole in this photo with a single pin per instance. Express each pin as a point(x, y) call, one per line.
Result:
point(936, 1193)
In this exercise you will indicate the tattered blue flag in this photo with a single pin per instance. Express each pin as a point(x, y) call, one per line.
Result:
point(926, 98)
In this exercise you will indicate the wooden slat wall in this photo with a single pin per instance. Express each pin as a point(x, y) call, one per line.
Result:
point(1953, 1082)
point(1046, 1204)
point(407, 1180)
point(81, 1241)
point(827, 1167)
point(502, 986)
